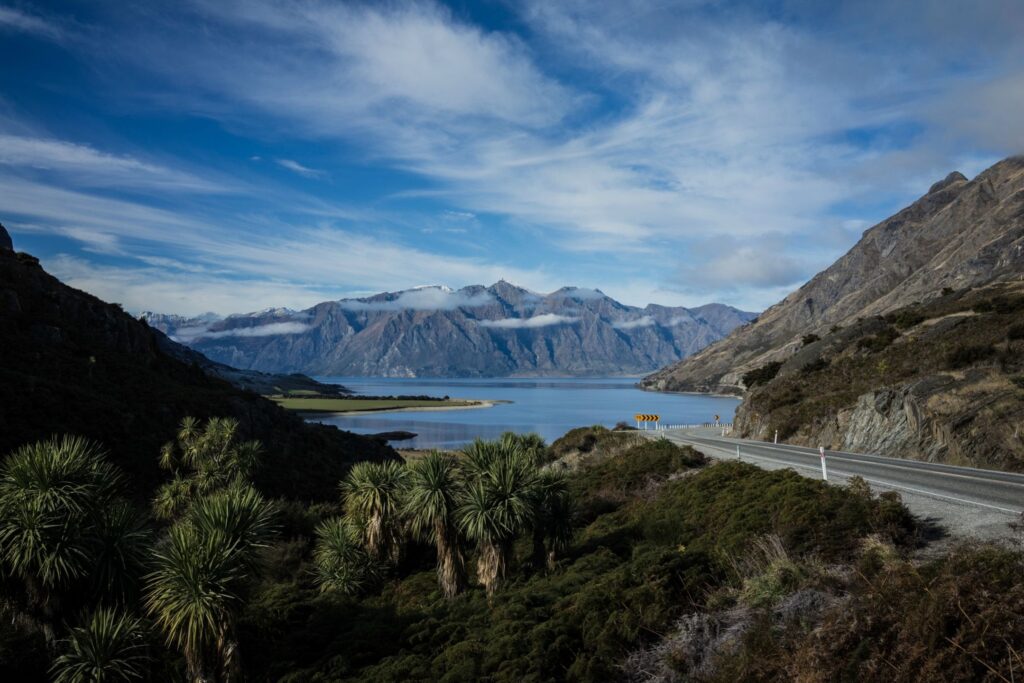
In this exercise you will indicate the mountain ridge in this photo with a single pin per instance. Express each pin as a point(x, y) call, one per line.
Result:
point(960, 234)
point(483, 331)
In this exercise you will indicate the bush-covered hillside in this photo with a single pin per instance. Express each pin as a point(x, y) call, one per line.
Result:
point(657, 533)
point(649, 564)
point(942, 380)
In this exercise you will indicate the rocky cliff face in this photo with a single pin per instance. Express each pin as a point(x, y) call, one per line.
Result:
point(477, 331)
point(960, 234)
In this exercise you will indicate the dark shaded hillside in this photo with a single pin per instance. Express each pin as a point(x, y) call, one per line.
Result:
point(70, 363)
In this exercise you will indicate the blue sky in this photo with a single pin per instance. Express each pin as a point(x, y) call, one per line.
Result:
point(231, 156)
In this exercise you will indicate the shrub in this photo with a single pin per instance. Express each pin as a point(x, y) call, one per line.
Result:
point(878, 342)
point(809, 339)
point(964, 356)
point(907, 319)
point(946, 291)
point(764, 374)
point(647, 461)
point(1007, 304)
point(814, 366)
point(1015, 332)
point(582, 439)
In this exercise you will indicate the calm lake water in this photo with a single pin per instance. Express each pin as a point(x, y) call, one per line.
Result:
point(549, 407)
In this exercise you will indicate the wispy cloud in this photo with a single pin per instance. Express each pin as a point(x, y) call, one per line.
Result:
point(643, 147)
point(91, 167)
point(190, 334)
point(543, 320)
point(296, 167)
point(297, 267)
point(643, 321)
point(422, 299)
point(15, 20)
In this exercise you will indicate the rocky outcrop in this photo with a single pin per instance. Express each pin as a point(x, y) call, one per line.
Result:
point(5, 239)
point(941, 382)
point(477, 331)
point(960, 234)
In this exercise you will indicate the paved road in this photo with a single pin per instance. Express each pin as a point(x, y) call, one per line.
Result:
point(965, 500)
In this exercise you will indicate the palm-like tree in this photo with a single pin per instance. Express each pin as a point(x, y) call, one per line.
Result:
point(120, 544)
point(53, 496)
point(499, 503)
point(553, 523)
point(479, 456)
point(204, 458)
point(431, 504)
point(200, 575)
point(373, 494)
point(109, 648)
point(341, 563)
point(532, 445)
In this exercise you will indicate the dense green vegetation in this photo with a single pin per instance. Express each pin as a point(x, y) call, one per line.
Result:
point(501, 563)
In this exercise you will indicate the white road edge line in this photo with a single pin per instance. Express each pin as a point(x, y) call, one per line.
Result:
point(886, 484)
point(853, 457)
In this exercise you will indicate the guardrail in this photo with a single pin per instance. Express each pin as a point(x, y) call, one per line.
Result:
point(726, 427)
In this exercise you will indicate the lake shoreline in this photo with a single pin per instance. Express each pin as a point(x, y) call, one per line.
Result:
point(473, 405)
point(549, 407)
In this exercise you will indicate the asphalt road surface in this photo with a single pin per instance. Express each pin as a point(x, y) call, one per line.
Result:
point(964, 500)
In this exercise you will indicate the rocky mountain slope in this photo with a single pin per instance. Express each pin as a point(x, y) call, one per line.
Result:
point(960, 234)
point(476, 331)
point(939, 381)
point(71, 363)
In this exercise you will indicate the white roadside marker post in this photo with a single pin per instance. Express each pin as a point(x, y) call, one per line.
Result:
point(738, 456)
point(776, 436)
point(824, 470)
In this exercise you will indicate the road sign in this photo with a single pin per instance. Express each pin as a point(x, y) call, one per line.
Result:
point(647, 418)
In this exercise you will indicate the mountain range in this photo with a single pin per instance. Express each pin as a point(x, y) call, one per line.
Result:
point(476, 331)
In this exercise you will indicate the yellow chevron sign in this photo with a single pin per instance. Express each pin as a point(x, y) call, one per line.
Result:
point(647, 418)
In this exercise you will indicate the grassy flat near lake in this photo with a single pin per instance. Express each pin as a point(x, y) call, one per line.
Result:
point(348, 405)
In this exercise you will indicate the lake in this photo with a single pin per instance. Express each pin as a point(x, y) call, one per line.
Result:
point(549, 407)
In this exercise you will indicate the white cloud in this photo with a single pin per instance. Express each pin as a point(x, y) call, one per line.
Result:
point(91, 167)
point(643, 321)
point(543, 320)
point(190, 334)
point(423, 299)
point(695, 128)
point(310, 257)
point(158, 289)
point(580, 293)
point(13, 19)
point(296, 167)
point(349, 69)
point(735, 267)
point(682, 320)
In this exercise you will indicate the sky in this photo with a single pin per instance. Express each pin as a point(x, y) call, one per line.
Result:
point(231, 156)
